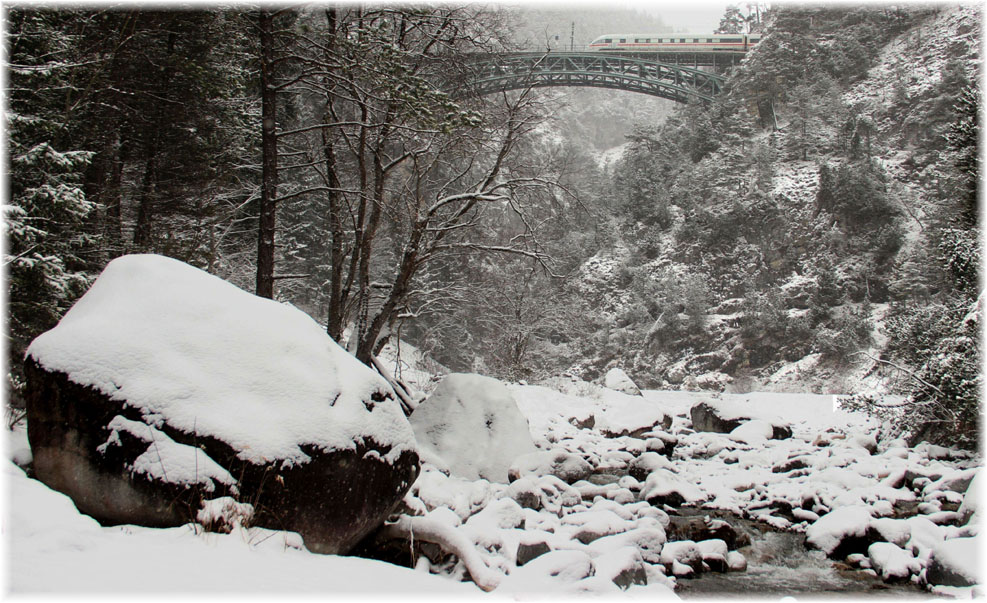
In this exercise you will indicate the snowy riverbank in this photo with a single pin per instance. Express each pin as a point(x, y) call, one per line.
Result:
point(595, 529)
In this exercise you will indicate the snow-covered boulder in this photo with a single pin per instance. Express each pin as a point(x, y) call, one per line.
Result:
point(955, 562)
point(892, 562)
point(165, 386)
point(472, 427)
point(681, 553)
point(714, 554)
point(968, 510)
point(721, 417)
point(567, 466)
point(624, 567)
point(666, 488)
point(843, 531)
point(616, 379)
point(641, 467)
point(699, 528)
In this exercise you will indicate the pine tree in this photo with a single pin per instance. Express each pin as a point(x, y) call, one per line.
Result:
point(47, 250)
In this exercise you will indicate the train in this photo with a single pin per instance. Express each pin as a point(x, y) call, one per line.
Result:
point(677, 42)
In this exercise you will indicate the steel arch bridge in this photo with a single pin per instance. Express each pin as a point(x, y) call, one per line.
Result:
point(622, 72)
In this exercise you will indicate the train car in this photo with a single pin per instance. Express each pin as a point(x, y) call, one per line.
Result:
point(679, 42)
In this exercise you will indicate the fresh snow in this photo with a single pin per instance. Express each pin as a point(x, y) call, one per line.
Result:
point(186, 347)
point(166, 460)
point(828, 476)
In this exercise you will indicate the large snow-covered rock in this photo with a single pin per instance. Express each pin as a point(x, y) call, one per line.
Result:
point(955, 562)
point(165, 386)
point(616, 379)
point(722, 417)
point(472, 427)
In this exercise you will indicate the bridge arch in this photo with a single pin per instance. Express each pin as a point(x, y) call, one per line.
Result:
point(599, 70)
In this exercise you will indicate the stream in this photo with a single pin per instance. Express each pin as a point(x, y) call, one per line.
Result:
point(779, 565)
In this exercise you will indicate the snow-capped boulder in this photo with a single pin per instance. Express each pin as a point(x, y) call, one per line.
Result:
point(665, 488)
point(616, 379)
point(165, 386)
point(720, 417)
point(549, 571)
point(624, 567)
point(704, 528)
point(892, 562)
point(736, 562)
point(682, 553)
point(755, 431)
point(641, 467)
point(843, 531)
point(567, 466)
point(955, 562)
point(471, 426)
point(895, 531)
point(647, 540)
point(969, 508)
point(714, 554)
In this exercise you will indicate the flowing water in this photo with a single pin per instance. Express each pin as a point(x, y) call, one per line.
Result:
point(779, 565)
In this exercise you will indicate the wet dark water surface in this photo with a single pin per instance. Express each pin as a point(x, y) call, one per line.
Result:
point(780, 565)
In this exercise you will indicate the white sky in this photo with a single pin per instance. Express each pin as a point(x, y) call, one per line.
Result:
point(693, 15)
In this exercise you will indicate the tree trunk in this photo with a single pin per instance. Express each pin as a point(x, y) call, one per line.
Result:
point(112, 196)
point(142, 231)
point(269, 160)
point(336, 320)
point(145, 213)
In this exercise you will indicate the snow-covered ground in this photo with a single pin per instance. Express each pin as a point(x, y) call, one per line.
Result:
point(598, 529)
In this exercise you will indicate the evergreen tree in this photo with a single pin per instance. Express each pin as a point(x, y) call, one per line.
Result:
point(47, 254)
point(732, 21)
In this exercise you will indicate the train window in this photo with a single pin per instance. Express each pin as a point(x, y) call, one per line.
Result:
point(708, 40)
point(681, 39)
point(647, 40)
point(608, 40)
point(623, 40)
point(695, 40)
point(730, 40)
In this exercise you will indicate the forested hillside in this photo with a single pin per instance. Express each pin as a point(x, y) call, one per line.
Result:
point(813, 229)
point(814, 226)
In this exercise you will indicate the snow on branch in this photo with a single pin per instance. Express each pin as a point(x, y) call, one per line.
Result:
point(452, 541)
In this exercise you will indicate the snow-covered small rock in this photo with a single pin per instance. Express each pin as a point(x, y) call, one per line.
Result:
point(624, 567)
point(647, 540)
point(895, 531)
point(714, 554)
point(224, 514)
point(666, 488)
point(736, 561)
point(752, 432)
point(839, 525)
point(566, 466)
point(892, 562)
point(682, 552)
